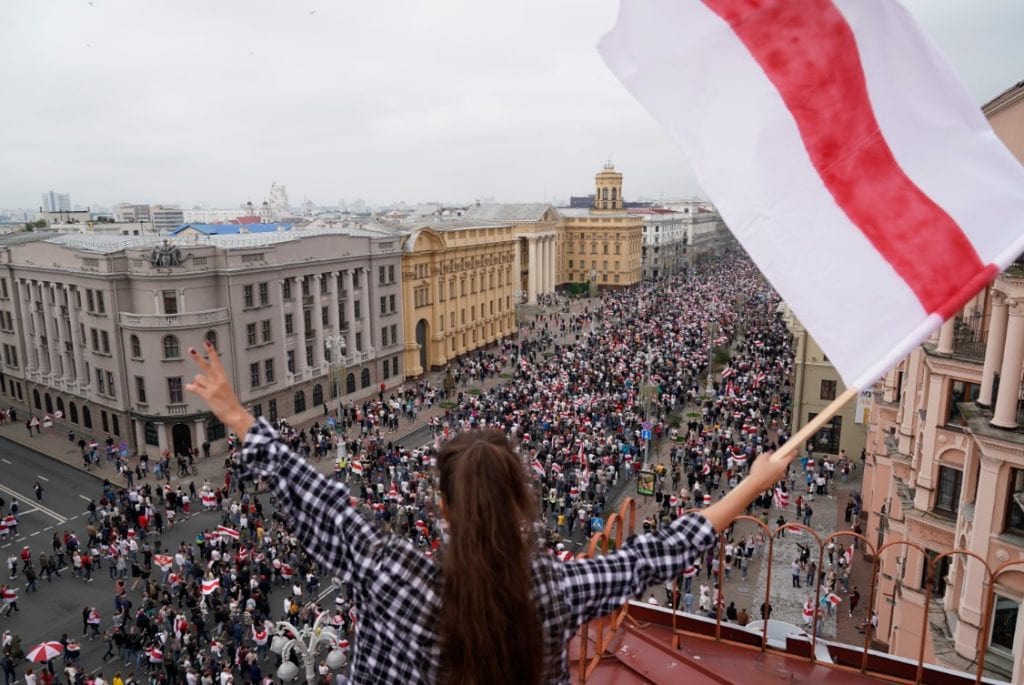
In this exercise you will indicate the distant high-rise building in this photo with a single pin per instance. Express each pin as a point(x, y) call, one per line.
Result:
point(166, 217)
point(128, 212)
point(56, 202)
point(278, 201)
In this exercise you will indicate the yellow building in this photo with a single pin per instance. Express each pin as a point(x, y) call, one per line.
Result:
point(457, 290)
point(602, 242)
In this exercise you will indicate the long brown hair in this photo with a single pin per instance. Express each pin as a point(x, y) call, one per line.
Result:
point(490, 629)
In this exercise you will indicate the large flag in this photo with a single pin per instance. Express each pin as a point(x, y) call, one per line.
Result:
point(842, 152)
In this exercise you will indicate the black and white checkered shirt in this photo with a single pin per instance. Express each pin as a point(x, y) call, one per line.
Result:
point(395, 584)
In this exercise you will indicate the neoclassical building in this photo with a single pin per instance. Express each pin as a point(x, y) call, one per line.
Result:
point(458, 284)
point(945, 470)
point(98, 327)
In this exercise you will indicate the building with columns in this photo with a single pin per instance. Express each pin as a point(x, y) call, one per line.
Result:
point(945, 472)
point(98, 327)
point(603, 242)
point(458, 285)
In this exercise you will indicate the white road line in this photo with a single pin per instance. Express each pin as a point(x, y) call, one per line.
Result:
point(29, 511)
point(6, 461)
point(42, 478)
point(87, 499)
point(48, 528)
point(49, 512)
point(32, 535)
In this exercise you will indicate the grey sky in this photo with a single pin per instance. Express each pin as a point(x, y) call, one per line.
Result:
point(195, 101)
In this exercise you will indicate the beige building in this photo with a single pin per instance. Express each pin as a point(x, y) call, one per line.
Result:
point(98, 327)
point(457, 283)
point(815, 384)
point(945, 472)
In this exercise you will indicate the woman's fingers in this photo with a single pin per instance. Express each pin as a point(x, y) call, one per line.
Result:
point(198, 359)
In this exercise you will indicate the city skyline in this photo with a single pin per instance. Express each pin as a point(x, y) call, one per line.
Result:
point(448, 102)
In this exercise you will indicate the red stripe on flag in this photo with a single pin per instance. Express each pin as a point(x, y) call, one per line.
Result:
point(809, 53)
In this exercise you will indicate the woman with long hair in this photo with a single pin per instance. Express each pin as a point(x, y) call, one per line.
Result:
point(488, 609)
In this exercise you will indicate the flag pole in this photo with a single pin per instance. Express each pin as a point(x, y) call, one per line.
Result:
point(814, 425)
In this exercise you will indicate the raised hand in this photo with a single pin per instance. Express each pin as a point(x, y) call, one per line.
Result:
point(213, 386)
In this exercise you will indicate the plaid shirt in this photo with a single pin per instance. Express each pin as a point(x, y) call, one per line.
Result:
point(396, 585)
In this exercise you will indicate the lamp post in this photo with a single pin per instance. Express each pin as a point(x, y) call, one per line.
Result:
point(307, 642)
point(335, 347)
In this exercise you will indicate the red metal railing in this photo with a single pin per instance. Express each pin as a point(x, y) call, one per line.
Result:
point(599, 542)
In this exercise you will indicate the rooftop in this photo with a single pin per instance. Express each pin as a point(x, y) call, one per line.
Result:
point(232, 228)
point(528, 211)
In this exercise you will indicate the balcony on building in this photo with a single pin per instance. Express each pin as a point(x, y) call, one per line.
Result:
point(198, 319)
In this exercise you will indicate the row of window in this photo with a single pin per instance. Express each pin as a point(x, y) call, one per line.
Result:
point(950, 483)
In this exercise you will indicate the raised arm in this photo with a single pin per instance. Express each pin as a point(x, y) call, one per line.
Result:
point(330, 530)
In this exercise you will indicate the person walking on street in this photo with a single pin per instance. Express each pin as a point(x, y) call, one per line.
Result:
point(39, 491)
point(854, 600)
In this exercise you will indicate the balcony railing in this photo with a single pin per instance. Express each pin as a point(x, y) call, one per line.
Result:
point(206, 317)
point(177, 409)
point(600, 633)
point(969, 336)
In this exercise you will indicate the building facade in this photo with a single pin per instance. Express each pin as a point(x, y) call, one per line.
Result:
point(56, 202)
point(98, 327)
point(663, 251)
point(945, 471)
point(458, 287)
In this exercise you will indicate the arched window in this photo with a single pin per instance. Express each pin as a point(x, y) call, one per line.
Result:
point(171, 350)
point(604, 193)
point(36, 399)
point(614, 194)
point(318, 395)
point(86, 417)
point(60, 405)
point(300, 402)
point(364, 379)
point(49, 403)
point(136, 347)
point(350, 383)
point(73, 411)
point(211, 337)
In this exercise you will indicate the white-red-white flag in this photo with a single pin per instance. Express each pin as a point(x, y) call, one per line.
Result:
point(226, 532)
point(210, 586)
point(842, 152)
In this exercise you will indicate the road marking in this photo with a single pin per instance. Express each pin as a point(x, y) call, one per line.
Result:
point(6, 461)
point(29, 511)
point(48, 528)
point(87, 499)
point(49, 512)
point(43, 478)
point(73, 517)
point(32, 535)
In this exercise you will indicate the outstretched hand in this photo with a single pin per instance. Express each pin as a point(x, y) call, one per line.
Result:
point(213, 386)
point(770, 467)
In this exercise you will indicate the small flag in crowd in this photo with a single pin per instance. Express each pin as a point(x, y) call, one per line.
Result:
point(226, 532)
point(812, 146)
point(164, 561)
point(834, 599)
point(357, 468)
point(538, 467)
point(210, 586)
point(781, 498)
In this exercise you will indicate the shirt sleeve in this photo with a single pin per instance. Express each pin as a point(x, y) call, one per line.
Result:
point(322, 517)
point(595, 587)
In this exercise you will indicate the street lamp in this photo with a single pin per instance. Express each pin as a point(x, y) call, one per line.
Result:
point(306, 642)
point(335, 347)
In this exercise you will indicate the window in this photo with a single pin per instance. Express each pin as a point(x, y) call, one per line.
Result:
point(941, 571)
point(174, 390)
point(289, 324)
point(383, 299)
point(136, 347)
point(1015, 502)
point(357, 310)
point(151, 437)
point(391, 274)
point(86, 417)
point(350, 383)
point(170, 298)
point(268, 370)
point(828, 390)
point(265, 330)
point(101, 308)
point(325, 317)
point(384, 336)
point(290, 355)
point(309, 355)
point(111, 388)
point(1004, 623)
point(364, 379)
point(247, 297)
point(100, 385)
point(95, 334)
point(393, 305)
point(300, 402)
point(959, 391)
point(318, 395)
point(272, 410)
point(104, 421)
point(171, 349)
point(387, 369)
point(307, 321)
point(947, 498)
point(211, 337)
point(116, 423)
point(105, 342)
point(355, 279)
point(381, 271)
point(257, 410)
point(394, 332)
point(90, 302)
point(140, 389)
point(264, 294)
point(254, 375)
point(250, 334)
point(323, 283)
point(286, 289)
point(359, 342)
point(214, 429)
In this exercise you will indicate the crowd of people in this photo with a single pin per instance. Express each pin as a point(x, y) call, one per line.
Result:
point(588, 395)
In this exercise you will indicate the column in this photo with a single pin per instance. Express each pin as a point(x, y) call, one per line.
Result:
point(946, 336)
point(23, 314)
point(534, 266)
point(1009, 374)
point(993, 346)
point(300, 346)
point(282, 335)
point(333, 325)
point(318, 326)
point(975, 578)
point(52, 334)
point(364, 276)
point(549, 266)
point(370, 313)
point(77, 342)
point(199, 433)
point(517, 268)
point(39, 329)
point(350, 312)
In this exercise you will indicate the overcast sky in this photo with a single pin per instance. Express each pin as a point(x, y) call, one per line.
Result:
point(199, 101)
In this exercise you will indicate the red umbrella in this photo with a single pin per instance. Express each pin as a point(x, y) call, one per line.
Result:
point(45, 651)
